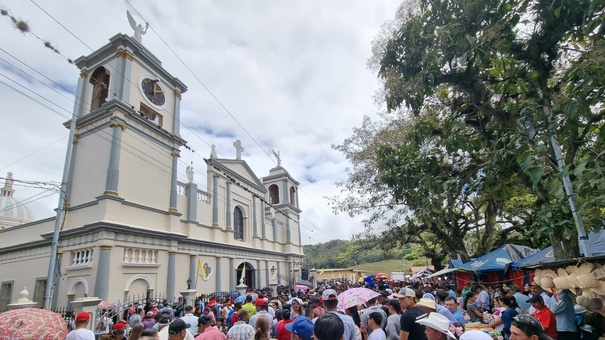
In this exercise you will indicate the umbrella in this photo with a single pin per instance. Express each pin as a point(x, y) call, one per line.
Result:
point(32, 323)
point(254, 295)
point(302, 287)
point(104, 305)
point(241, 298)
point(355, 296)
point(382, 276)
point(304, 283)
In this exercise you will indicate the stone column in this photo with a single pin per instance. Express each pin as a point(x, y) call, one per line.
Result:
point(80, 102)
point(299, 234)
point(274, 225)
point(232, 275)
point(278, 272)
point(228, 211)
point(175, 157)
point(262, 220)
point(288, 231)
point(313, 276)
point(254, 227)
point(191, 193)
point(193, 274)
point(267, 273)
point(217, 277)
point(285, 189)
point(113, 170)
point(215, 200)
point(257, 272)
point(102, 278)
point(171, 275)
point(176, 118)
point(88, 305)
point(123, 68)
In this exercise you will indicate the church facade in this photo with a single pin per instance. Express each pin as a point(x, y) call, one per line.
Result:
point(129, 226)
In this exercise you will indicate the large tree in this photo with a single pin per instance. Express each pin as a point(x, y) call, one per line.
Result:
point(519, 76)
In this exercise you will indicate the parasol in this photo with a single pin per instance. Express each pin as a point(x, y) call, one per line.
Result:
point(382, 276)
point(104, 305)
point(304, 283)
point(241, 298)
point(32, 323)
point(302, 287)
point(355, 296)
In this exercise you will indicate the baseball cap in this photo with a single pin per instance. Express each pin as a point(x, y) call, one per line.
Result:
point(260, 302)
point(177, 326)
point(403, 292)
point(302, 326)
point(535, 298)
point(119, 326)
point(82, 316)
point(530, 326)
point(384, 293)
point(515, 287)
point(314, 299)
point(329, 294)
point(534, 283)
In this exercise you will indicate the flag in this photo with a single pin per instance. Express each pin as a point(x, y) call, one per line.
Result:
point(200, 270)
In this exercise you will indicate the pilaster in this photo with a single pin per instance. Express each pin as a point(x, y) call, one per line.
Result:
point(193, 274)
point(171, 275)
point(191, 193)
point(262, 218)
point(176, 118)
point(173, 184)
point(286, 195)
point(228, 211)
point(254, 224)
point(217, 277)
point(113, 170)
point(215, 200)
point(102, 277)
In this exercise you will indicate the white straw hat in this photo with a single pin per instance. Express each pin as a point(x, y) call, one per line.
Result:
point(561, 282)
point(438, 322)
point(587, 281)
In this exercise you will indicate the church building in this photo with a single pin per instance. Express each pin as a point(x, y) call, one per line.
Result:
point(129, 226)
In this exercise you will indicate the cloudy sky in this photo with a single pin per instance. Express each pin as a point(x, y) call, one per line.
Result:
point(292, 73)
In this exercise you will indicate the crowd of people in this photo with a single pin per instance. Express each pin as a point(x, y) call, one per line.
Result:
point(398, 312)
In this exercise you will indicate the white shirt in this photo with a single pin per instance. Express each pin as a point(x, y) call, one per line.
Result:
point(192, 321)
point(377, 334)
point(80, 334)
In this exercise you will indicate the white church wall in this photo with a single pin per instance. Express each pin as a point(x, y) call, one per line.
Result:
point(26, 232)
point(90, 167)
point(23, 270)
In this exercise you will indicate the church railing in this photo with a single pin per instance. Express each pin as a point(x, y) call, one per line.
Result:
point(203, 196)
point(81, 257)
point(140, 256)
point(180, 188)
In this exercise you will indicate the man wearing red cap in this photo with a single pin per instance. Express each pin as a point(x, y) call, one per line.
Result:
point(81, 333)
point(261, 309)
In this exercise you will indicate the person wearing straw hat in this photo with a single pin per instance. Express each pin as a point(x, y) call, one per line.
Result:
point(436, 327)
point(562, 307)
point(535, 288)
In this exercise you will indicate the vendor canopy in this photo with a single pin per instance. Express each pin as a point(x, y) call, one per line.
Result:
point(499, 259)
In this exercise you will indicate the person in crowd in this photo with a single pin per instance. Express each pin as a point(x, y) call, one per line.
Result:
point(393, 321)
point(452, 306)
point(437, 327)
point(374, 323)
point(241, 330)
point(439, 297)
point(372, 308)
point(537, 289)
point(596, 305)
point(177, 330)
point(409, 329)
point(296, 308)
point(263, 326)
point(460, 299)
point(526, 290)
point(191, 319)
point(119, 331)
point(81, 332)
point(149, 320)
point(562, 307)
point(104, 324)
point(284, 319)
point(261, 310)
point(315, 303)
point(353, 312)
point(149, 334)
point(544, 315)
point(471, 309)
point(136, 317)
point(482, 300)
point(206, 331)
point(329, 326)
point(526, 327)
point(136, 331)
point(519, 298)
point(208, 312)
point(509, 313)
point(249, 306)
point(227, 308)
point(330, 301)
point(301, 328)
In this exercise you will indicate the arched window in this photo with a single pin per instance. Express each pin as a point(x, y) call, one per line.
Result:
point(292, 196)
point(238, 224)
point(100, 88)
point(274, 194)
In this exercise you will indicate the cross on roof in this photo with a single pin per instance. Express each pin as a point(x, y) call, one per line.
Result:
point(238, 149)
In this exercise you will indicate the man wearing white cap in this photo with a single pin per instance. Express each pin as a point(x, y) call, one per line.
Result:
point(410, 330)
point(437, 327)
point(330, 301)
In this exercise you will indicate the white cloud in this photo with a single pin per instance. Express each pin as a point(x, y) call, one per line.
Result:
point(292, 73)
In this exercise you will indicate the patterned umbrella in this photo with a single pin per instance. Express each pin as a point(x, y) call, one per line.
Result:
point(32, 323)
point(382, 276)
point(355, 296)
point(104, 305)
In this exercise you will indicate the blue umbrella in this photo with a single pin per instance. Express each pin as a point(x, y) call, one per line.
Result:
point(241, 298)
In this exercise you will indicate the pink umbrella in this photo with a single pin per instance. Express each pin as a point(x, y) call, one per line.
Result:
point(355, 296)
point(32, 323)
point(302, 287)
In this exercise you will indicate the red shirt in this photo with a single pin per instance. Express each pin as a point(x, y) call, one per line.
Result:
point(282, 332)
point(548, 321)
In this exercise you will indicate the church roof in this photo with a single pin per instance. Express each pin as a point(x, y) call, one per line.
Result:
point(12, 212)
point(238, 170)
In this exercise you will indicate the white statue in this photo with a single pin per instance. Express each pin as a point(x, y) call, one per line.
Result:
point(138, 29)
point(213, 152)
point(189, 171)
point(276, 154)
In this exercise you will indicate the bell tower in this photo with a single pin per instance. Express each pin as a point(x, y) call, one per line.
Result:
point(127, 139)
